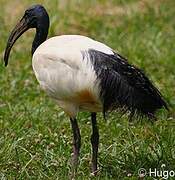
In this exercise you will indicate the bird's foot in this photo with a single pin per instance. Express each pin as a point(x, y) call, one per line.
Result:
point(74, 159)
point(74, 166)
point(73, 172)
point(95, 172)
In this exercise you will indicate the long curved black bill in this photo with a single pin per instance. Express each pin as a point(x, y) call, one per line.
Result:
point(19, 29)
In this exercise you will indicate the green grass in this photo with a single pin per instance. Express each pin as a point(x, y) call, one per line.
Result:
point(35, 135)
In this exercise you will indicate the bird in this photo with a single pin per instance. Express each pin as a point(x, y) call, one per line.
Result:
point(82, 74)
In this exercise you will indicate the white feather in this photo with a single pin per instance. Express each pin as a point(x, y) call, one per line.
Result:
point(62, 72)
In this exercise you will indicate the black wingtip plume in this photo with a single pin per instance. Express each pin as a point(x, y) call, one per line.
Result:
point(124, 86)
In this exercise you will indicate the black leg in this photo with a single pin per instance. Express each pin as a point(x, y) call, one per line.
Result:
point(76, 142)
point(94, 142)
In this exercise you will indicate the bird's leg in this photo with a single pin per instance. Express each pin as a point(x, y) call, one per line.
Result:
point(76, 142)
point(94, 142)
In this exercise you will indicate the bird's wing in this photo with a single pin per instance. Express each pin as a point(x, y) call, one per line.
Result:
point(124, 85)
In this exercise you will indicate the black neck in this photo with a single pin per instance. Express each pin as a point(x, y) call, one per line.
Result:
point(40, 37)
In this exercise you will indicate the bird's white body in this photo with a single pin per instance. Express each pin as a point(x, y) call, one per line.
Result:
point(66, 75)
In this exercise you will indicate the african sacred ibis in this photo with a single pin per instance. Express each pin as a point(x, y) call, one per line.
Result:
point(82, 74)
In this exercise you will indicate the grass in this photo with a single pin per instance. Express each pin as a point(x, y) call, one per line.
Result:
point(35, 135)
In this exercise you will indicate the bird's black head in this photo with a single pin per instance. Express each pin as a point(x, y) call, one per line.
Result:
point(34, 17)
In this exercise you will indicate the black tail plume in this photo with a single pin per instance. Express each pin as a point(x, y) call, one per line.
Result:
point(125, 86)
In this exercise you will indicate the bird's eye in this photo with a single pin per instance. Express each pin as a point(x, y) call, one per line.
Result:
point(27, 12)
